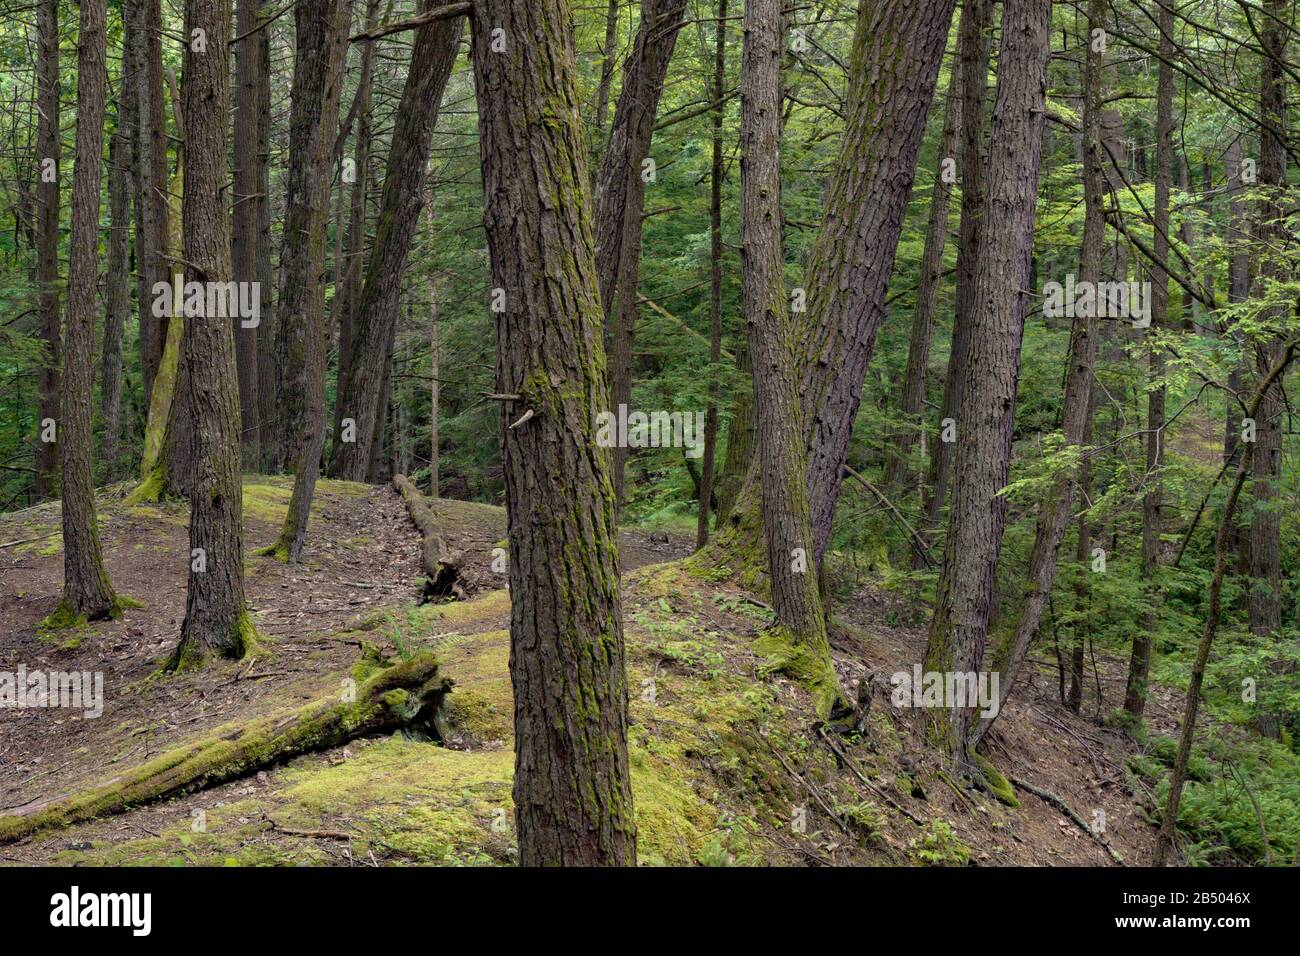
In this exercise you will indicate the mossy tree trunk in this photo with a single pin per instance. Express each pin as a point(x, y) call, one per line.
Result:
point(620, 194)
point(118, 278)
point(216, 621)
point(151, 186)
point(376, 309)
point(86, 588)
point(572, 785)
point(959, 629)
point(302, 330)
point(798, 642)
point(48, 147)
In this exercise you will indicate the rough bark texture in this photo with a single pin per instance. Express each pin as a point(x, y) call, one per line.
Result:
point(1263, 600)
point(303, 329)
point(974, 42)
point(1058, 503)
point(378, 304)
point(959, 628)
point(47, 239)
point(705, 498)
point(798, 643)
point(1135, 689)
point(118, 279)
point(266, 331)
point(152, 185)
point(620, 192)
point(572, 786)
point(912, 399)
point(216, 622)
point(897, 52)
point(246, 235)
point(86, 589)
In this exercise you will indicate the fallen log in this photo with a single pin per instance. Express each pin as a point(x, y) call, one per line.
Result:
point(441, 568)
point(408, 693)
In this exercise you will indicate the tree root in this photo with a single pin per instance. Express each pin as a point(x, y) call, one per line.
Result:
point(1060, 804)
point(407, 693)
point(441, 568)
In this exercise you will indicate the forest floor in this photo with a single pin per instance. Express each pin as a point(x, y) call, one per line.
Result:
point(729, 765)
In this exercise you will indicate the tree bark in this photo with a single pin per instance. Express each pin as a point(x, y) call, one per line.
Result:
point(216, 621)
point(620, 193)
point(87, 592)
point(48, 147)
point(118, 278)
point(303, 330)
point(974, 42)
point(572, 786)
point(246, 235)
point(1058, 503)
point(959, 629)
point(152, 184)
point(379, 302)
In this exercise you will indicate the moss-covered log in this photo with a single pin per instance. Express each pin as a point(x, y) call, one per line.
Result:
point(440, 566)
point(405, 694)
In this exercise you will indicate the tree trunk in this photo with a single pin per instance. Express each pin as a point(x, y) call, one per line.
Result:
point(303, 330)
point(572, 786)
point(912, 404)
point(959, 628)
point(118, 278)
point(1263, 599)
point(87, 593)
point(608, 63)
point(620, 193)
point(152, 184)
point(434, 384)
point(798, 643)
point(974, 42)
point(48, 147)
point(377, 307)
point(216, 621)
point(266, 399)
point(1058, 503)
point(705, 497)
point(245, 233)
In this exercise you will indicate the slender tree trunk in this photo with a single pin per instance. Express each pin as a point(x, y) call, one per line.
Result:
point(118, 278)
point(1178, 775)
point(216, 621)
point(377, 306)
point(435, 349)
point(912, 403)
point(245, 234)
point(1238, 237)
point(608, 63)
point(572, 786)
point(960, 625)
point(303, 330)
point(152, 185)
point(799, 641)
point(715, 278)
point(974, 42)
point(268, 423)
point(1058, 504)
point(87, 592)
point(48, 148)
point(620, 193)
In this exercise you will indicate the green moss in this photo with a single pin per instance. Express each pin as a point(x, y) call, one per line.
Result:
point(279, 551)
point(994, 782)
point(810, 666)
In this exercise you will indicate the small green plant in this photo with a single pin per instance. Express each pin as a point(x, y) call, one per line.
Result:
point(940, 847)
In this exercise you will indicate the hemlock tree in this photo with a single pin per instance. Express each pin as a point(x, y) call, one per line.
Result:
point(375, 311)
point(216, 621)
point(48, 147)
point(302, 331)
point(572, 784)
point(87, 593)
point(964, 603)
point(798, 641)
